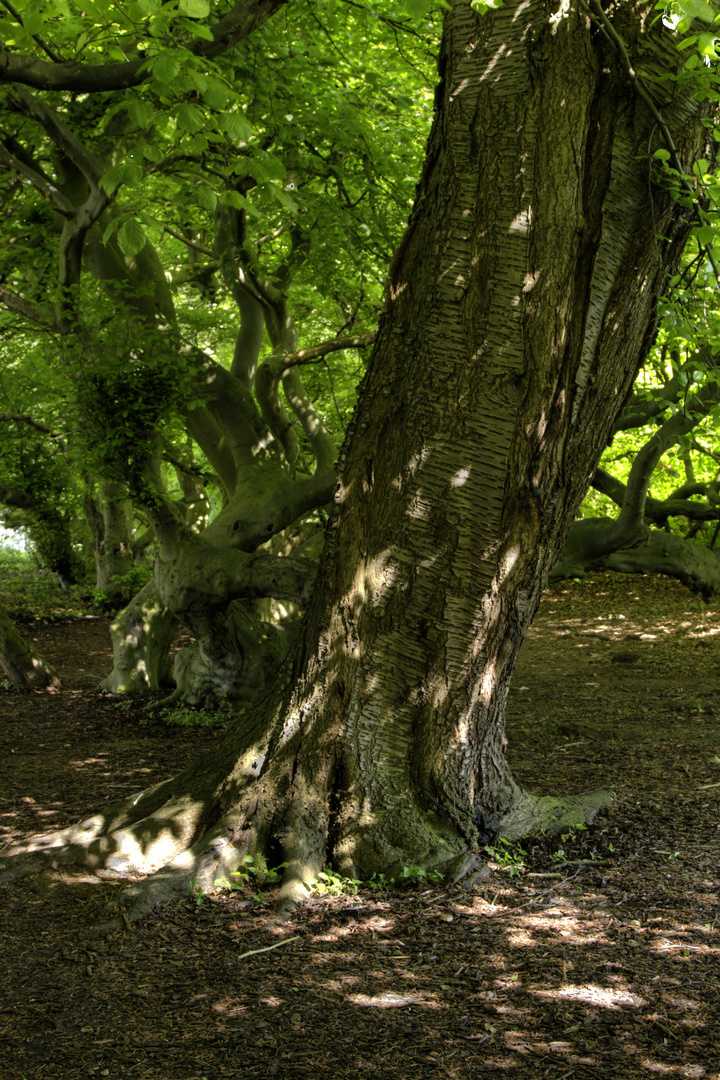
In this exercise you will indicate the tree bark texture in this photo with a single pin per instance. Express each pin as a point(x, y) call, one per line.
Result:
point(521, 304)
point(141, 635)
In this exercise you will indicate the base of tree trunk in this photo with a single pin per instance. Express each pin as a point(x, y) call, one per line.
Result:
point(191, 834)
point(23, 666)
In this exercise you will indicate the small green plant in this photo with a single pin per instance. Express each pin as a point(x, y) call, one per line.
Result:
point(418, 875)
point(559, 856)
point(109, 896)
point(328, 883)
point(196, 892)
point(508, 855)
point(185, 716)
point(378, 882)
point(120, 589)
point(124, 705)
point(253, 868)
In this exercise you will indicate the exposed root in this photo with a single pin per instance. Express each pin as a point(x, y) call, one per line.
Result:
point(549, 814)
point(19, 866)
point(140, 898)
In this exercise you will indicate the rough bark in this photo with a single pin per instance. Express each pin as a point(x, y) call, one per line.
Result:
point(23, 666)
point(520, 306)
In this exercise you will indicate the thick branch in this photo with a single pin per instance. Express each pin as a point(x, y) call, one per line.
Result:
point(25, 418)
point(678, 504)
point(41, 182)
point(20, 306)
point(629, 523)
point(238, 24)
point(16, 497)
point(25, 103)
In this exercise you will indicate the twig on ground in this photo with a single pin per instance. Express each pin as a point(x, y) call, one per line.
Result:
point(267, 948)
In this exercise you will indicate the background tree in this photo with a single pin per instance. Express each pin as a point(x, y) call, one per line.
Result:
point(185, 218)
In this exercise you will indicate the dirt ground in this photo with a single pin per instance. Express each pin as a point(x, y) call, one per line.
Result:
point(595, 955)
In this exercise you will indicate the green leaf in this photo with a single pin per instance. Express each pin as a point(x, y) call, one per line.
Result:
point(662, 154)
point(190, 118)
point(216, 95)
point(282, 197)
point(202, 32)
point(704, 234)
point(114, 224)
point(698, 9)
point(234, 199)
point(141, 112)
point(33, 23)
point(131, 238)
point(707, 46)
point(194, 9)
point(125, 172)
point(237, 127)
point(166, 67)
point(207, 198)
point(417, 9)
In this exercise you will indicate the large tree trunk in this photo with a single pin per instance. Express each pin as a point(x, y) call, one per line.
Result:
point(521, 304)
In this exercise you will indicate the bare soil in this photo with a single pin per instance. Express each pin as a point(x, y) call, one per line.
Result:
point(597, 957)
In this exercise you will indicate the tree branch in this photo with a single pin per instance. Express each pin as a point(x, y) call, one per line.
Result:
point(25, 103)
point(678, 504)
point(16, 497)
point(20, 306)
point(629, 522)
point(37, 179)
point(317, 352)
point(56, 59)
point(237, 25)
point(189, 243)
point(24, 418)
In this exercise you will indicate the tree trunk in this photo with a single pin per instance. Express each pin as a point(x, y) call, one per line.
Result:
point(24, 667)
point(520, 305)
point(110, 518)
point(141, 635)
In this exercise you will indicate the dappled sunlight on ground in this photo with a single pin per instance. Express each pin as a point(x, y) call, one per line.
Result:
point(594, 956)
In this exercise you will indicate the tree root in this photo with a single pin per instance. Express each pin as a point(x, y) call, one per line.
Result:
point(549, 814)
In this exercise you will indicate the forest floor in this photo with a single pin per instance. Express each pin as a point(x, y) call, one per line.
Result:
point(593, 955)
